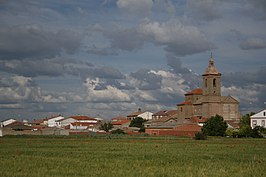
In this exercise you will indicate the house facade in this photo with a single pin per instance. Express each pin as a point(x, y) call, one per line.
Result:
point(7, 122)
point(121, 124)
point(258, 119)
point(73, 119)
point(143, 114)
point(52, 122)
point(208, 101)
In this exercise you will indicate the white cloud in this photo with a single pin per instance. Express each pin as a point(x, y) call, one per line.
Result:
point(179, 38)
point(137, 7)
point(244, 95)
point(19, 88)
point(109, 94)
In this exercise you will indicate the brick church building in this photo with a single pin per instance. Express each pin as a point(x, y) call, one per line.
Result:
point(207, 101)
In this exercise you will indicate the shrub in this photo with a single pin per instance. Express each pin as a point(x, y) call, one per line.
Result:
point(118, 131)
point(200, 136)
point(231, 133)
point(214, 126)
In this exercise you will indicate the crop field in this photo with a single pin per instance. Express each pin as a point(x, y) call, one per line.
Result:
point(131, 156)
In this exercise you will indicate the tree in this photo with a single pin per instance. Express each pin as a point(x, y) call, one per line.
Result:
point(245, 129)
point(106, 126)
point(214, 126)
point(200, 136)
point(118, 131)
point(138, 122)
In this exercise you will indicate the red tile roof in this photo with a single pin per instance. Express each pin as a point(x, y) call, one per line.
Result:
point(119, 118)
point(82, 123)
point(135, 114)
point(161, 113)
point(198, 119)
point(38, 121)
point(197, 91)
point(82, 118)
point(120, 122)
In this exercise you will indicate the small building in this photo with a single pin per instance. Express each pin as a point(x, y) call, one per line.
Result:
point(121, 124)
point(118, 118)
point(164, 113)
point(83, 126)
point(143, 114)
point(40, 122)
point(51, 122)
point(7, 122)
point(67, 121)
point(258, 119)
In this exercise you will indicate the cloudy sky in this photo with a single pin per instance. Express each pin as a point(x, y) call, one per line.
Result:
point(110, 57)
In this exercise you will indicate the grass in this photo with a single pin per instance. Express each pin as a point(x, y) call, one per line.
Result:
point(131, 156)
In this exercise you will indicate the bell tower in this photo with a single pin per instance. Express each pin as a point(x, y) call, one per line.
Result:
point(211, 80)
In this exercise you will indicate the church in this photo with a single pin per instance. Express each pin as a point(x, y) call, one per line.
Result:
point(207, 101)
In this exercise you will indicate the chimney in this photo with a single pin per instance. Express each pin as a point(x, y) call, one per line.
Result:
point(139, 110)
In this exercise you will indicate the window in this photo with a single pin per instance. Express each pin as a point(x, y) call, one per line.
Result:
point(254, 123)
point(205, 82)
point(214, 82)
point(181, 109)
point(264, 113)
point(263, 123)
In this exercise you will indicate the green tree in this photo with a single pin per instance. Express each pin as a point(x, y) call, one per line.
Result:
point(245, 129)
point(138, 122)
point(118, 131)
point(106, 126)
point(214, 126)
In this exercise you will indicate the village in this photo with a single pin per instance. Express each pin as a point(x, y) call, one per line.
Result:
point(186, 120)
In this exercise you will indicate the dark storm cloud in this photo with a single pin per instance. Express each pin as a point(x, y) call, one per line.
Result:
point(33, 42)
point(147, 80)
point(204, 9)
point(245, 78)
point(253, 43)
point(261, 76)
point(107, 72)
point(49, 107)
point(102, 51)
point(260, 4)
point(176, 64)
point(125, 39)
point(32, 68)
point(58, 67)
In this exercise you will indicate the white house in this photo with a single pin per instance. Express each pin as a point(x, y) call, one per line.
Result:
point(51, 122)
point(7, 122)
point(143, 114)
point(67, 121)
point(258, 119)
point(83, 126)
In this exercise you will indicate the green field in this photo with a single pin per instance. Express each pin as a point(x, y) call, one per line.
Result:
point(131, 156)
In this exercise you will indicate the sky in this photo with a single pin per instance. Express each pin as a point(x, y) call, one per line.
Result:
point(107, 58)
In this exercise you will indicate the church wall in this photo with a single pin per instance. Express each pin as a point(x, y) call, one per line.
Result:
point(188, 111)
point(230, 111)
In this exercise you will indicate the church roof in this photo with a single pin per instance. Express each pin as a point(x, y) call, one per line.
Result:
point(197, 91)
point(211, 69)
point(228, 99)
